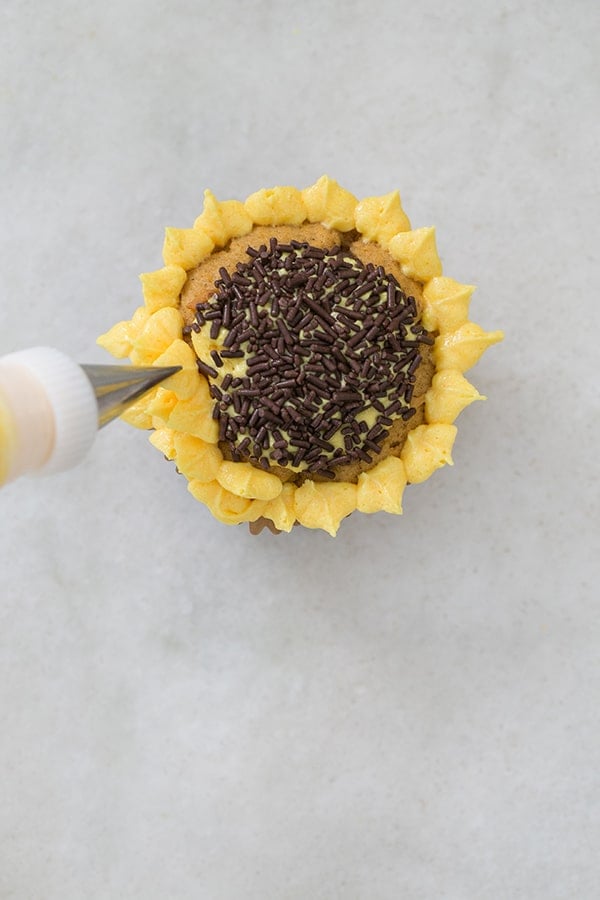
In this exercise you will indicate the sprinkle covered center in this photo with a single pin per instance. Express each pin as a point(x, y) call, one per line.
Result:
point(310, 356)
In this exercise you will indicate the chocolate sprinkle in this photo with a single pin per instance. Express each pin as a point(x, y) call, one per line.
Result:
point(328, 341)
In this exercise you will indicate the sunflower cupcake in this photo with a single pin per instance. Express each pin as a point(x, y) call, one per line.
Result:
point(322, 354)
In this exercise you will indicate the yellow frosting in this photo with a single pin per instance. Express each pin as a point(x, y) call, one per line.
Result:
point(185, 383)
point(380, 218)
point(163, 287)
point(162, 404)
point(235, 217)
point(186, 247)
point(180, 411)
point(416, 252)
point(324, 505)
point(161, 329)
point(246, 480)
point(281, 511)
point(194, 416)
point(276, 206)
point(196, 459)
point(163, 440)
point(138, 320)
point(446, 304)
point(119, 339)
point(328, 203)
point(381, 488)
point(223, 221)
point(449, 394)
point(427, 448)
point(225, 506)
point(203, 344)
point(462, 348)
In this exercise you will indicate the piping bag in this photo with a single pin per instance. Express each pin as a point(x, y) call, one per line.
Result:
point(51, 407)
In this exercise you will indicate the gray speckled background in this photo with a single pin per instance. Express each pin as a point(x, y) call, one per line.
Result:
point(410, 711)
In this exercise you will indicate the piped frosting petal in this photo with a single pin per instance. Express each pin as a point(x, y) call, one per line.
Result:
point(276, 206)
point(380, 218)
point(320, 505)
point(416, 252)
point(194, 416)
point(225, 506)
point(330, 204)
point(246, 480)
point(163, 440)
point(446, 303)
point(162, 287)
point(160, 404)
point(381, 488)
point(186, 247)
point(223, 221)
point(449, 394)
point(184, 383)
point(161, 329)
point(427, 448)
point(195, 458)
point(117, 340)
point(462, 348)
point(281, 511)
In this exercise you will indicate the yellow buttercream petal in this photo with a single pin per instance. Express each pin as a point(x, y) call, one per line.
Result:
point(427, 448)
point(381, 488)
point(211, 220)
point(195, 458)
point(161, 404)
point(139, 320)
point(276, 206)
point(449, 394)
point(446, 304)
point(225, 506)
point(162, 287)
point(380, 218)
point(162, 439)
point(223, 221)
point(461, 349)
point(194, 416)
point(161, 329)
point(117, 340)
point(281, 510)
point(186, 247)
point(184, 383)
point(417, 253)
point(236, 219)
point(324, 505)
point(246, 480)
point(330, 204)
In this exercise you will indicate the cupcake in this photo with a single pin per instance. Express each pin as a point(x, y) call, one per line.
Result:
point(322, 354)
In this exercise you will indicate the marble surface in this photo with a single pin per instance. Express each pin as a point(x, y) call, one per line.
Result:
point(411, 710)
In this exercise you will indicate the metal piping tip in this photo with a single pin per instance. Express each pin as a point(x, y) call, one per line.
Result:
point(117, 387)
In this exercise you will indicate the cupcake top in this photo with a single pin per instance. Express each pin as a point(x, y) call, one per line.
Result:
point(322, 355)
point(311, 353)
